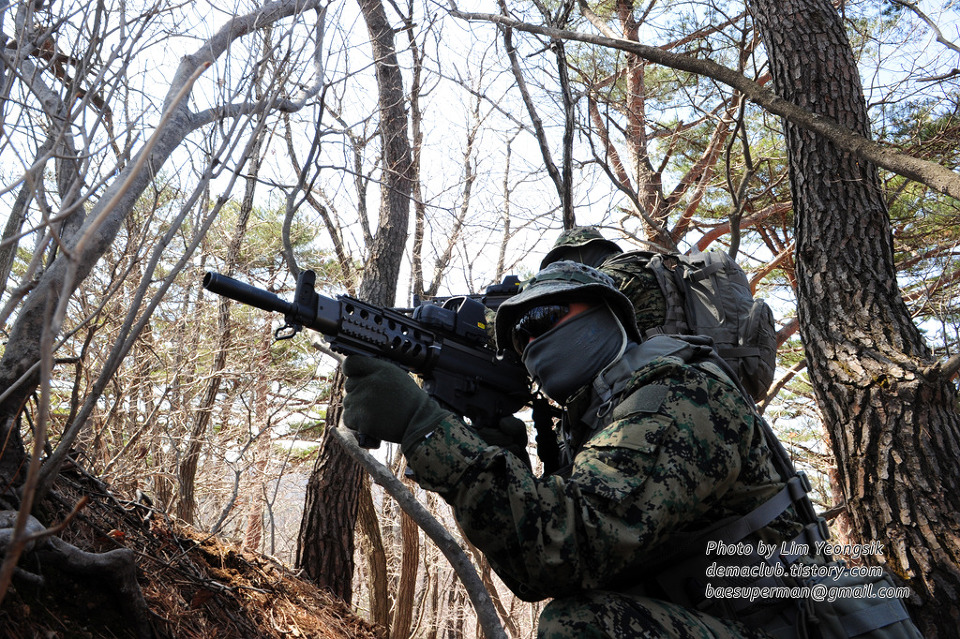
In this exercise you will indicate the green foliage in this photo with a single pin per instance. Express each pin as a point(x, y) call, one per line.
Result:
point(926, 223)
point(299, 456)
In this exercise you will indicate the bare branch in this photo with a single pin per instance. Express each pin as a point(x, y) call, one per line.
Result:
point(935, 176)
point(531, 108)
point(930, 23)
point(486, 612)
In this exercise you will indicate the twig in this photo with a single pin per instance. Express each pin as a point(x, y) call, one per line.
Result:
point(56, 530)
point(930, 23)
point(937, 177)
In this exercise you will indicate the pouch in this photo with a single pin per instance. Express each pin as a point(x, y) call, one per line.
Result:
point(855, 606)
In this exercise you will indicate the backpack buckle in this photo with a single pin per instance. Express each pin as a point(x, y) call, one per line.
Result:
point(799, 486)
point(805, 481)
point(823, 528)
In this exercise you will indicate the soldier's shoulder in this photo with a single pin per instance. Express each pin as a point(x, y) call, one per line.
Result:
point(691, 382)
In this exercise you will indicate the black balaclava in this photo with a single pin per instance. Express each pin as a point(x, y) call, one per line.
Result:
point(571, 354)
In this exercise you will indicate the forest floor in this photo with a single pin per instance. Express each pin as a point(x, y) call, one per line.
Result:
point(195, 585)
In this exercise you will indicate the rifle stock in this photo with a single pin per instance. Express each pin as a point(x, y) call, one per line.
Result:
point(448, 346)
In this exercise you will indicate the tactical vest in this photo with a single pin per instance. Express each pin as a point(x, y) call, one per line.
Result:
point(682, 576)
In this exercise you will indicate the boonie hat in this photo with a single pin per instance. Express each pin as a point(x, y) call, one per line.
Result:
point(578, 237)
point(564, 281)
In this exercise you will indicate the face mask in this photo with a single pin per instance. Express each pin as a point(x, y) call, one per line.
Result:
point(567, 357)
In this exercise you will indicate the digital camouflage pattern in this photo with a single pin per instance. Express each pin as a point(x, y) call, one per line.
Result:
point(639, 283)
point(679, 464)
point(598, 615)
point(584, 244)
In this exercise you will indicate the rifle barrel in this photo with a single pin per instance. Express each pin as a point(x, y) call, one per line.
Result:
point(241, 292)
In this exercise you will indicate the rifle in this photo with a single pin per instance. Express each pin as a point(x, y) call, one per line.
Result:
point(447, 345)
point(495, 294)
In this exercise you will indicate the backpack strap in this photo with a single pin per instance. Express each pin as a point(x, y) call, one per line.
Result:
point(793, 491)
point(696, 348)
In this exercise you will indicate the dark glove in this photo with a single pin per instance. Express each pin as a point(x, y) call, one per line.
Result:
point(383, 402)
point(510, 433)
point(548, 448)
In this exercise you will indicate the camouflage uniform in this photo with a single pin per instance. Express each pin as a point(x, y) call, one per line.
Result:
point(667, 455)
point(681, 452)
point(635, 280)
point(584, 244)
point(600, 615)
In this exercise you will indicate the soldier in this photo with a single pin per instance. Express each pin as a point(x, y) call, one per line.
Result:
point(584, 244)
point(667, 455)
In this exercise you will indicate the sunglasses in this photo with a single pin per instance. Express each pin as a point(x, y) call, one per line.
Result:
point(535, 322)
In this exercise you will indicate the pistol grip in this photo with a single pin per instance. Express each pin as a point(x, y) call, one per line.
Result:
point(366, 441)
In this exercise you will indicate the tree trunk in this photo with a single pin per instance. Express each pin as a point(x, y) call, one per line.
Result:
point(330, 511)
point(407, 584)
point(432, 602)
point(187, 471)
point(325, 543)
point(256, 475)
point(377, 559)
point(892, 415)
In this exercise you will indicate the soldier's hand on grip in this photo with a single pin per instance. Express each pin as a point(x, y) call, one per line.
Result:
point(383, 402)
point(510, 433)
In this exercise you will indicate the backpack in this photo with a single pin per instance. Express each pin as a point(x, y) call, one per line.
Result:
point(702, 294)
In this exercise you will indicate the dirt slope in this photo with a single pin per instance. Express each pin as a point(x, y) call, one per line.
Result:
point(195, 585)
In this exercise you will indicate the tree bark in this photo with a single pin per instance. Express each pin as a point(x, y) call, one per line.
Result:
point(377, 559)
point(892, 416)
point(407, 585)
point(325, 544)
point(383, 265)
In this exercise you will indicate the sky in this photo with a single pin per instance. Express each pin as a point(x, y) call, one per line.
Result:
point(462, 54)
